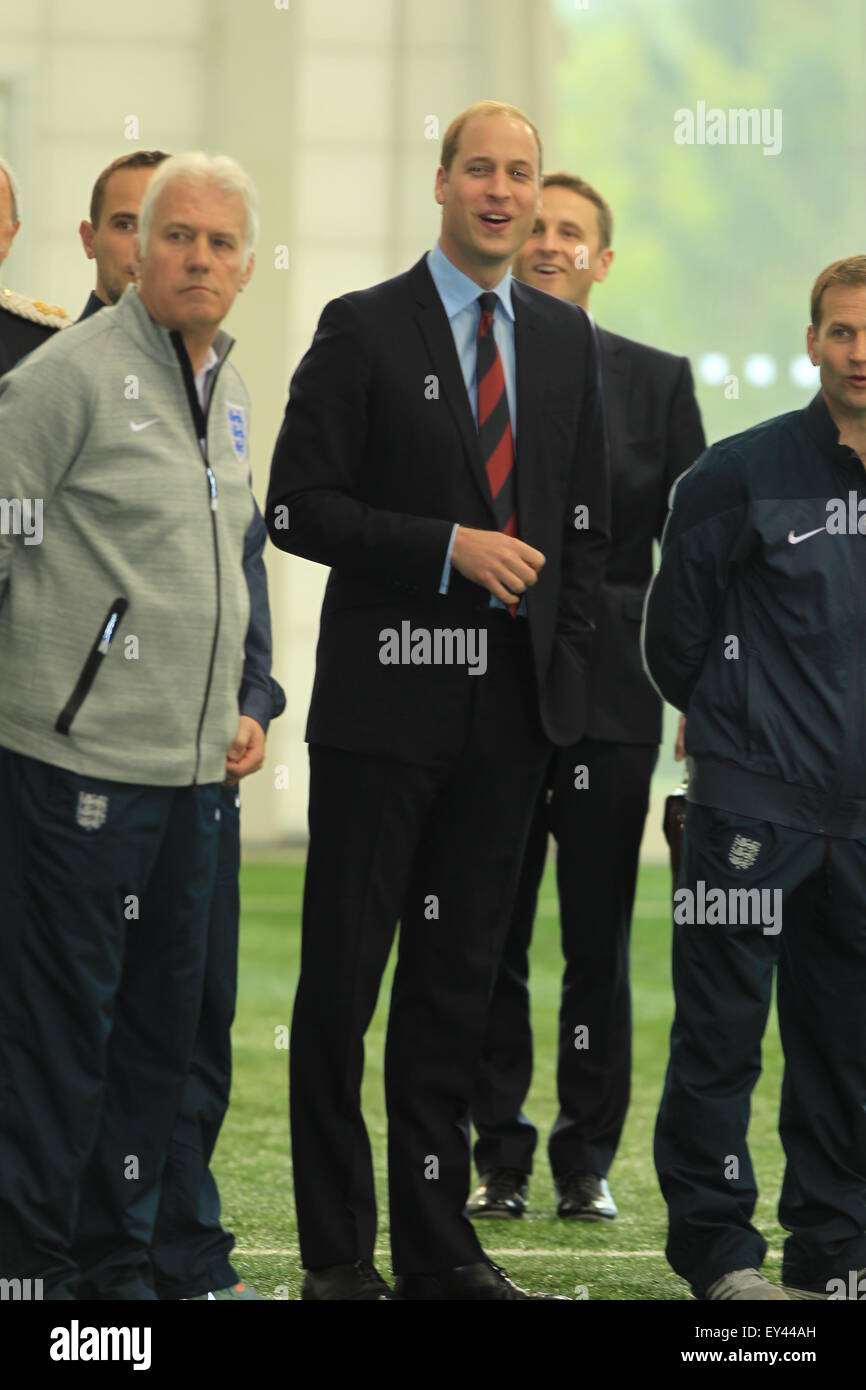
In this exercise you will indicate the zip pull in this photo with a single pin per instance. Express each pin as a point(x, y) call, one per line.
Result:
point(108, 632)
point(213, 486)
point(95, 657)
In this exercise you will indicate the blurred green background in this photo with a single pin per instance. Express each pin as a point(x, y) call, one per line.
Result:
point(717, 246)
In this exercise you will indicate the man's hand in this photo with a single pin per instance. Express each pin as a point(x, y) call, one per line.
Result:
point(503, 565)
point(247, 752)
point(680, 749)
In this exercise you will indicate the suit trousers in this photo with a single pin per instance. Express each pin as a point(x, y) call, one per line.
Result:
point(104, 894)
point(723, 977)
point(191, 1248)
point(437, 846)
point(598, 825)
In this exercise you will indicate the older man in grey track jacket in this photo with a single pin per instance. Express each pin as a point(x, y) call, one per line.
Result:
point(124, 501)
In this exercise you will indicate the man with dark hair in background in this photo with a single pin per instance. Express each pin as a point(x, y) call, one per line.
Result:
point(108, 237)
point(596, 792)
point(191, 1248)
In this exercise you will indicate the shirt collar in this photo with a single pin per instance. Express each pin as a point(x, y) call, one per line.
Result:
point(202, 385)
point(151, 336)
point(93, 306)
point(823, 428)
point(209, 362)
point(457, 291)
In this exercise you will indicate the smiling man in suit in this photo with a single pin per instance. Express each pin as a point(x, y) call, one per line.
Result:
point(596, 792)
point(443, 450)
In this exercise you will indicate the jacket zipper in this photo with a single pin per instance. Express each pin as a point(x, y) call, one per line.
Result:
point(95, 658)
point(843, 766)
point(200, 423)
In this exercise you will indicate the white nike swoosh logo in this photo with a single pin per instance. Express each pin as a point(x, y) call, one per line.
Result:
point(795, 540)
point(143, 425)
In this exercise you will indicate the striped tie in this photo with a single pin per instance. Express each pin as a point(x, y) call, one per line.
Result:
point(494, 424)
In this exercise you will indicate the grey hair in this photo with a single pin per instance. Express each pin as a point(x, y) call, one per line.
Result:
point(199, 168)
point(13, 189)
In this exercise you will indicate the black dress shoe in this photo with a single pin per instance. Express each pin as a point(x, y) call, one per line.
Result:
point(467, 1282)
point(501, 1192)
point(359, 1282)
point(585, 1197)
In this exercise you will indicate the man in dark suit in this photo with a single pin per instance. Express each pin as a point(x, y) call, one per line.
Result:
point(25, 323)
point(596, 792)
point(454, 555)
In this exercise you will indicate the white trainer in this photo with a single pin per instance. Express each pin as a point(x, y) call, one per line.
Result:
point(745, 1284)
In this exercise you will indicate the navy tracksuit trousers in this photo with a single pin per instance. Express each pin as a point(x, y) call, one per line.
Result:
point(190, 1249)
point(105, 889)
point(722, 984)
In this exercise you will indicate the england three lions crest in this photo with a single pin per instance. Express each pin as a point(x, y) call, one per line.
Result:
point(743, 852)
point(237, 421)
point(91, 810)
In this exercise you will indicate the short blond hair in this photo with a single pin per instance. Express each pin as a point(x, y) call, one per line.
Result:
point(451, 138)
point(849, 271)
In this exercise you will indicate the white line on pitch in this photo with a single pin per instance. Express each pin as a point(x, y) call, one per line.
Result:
point(510, 1253)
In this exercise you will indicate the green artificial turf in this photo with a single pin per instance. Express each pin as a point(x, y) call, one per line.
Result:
point(620, 1260)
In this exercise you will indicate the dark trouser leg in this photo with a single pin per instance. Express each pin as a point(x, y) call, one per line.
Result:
point(156, 1016)
point(191, 1250)
point(507, 1137)
point(822, 1018)
point(366, 816)
point(722, 979)
point(73, 851)
point(456, 915)
point(598, 828)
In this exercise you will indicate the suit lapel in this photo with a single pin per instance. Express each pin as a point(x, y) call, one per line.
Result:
point(530, 383)
point(616, 374)
point(436, 332)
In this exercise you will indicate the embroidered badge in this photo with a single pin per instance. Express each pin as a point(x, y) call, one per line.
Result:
point(237, 418)
point(743, 852)
point(91, 811)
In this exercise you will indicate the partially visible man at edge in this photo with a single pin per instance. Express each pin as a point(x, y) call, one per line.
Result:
point(25, 323)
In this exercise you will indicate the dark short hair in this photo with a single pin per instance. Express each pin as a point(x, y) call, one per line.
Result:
point(139, 159)
point(585, 190)
point(850, 271)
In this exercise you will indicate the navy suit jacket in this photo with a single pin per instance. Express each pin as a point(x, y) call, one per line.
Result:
point(655, 434)
point(379, 455)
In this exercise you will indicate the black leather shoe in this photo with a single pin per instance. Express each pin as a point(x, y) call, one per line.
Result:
point(501, 1192)
point(359, 1282)
point(585, 1197)
point(467, 1282)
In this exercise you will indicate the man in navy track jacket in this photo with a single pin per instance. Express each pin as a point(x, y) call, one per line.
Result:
point(755, 627)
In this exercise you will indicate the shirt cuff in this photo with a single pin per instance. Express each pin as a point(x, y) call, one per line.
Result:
point(256, 704)
point(446, 568)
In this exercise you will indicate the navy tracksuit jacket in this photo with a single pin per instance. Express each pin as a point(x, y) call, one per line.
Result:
point(755, 626)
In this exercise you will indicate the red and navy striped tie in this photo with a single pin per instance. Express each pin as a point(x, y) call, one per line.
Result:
point(494, 423)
